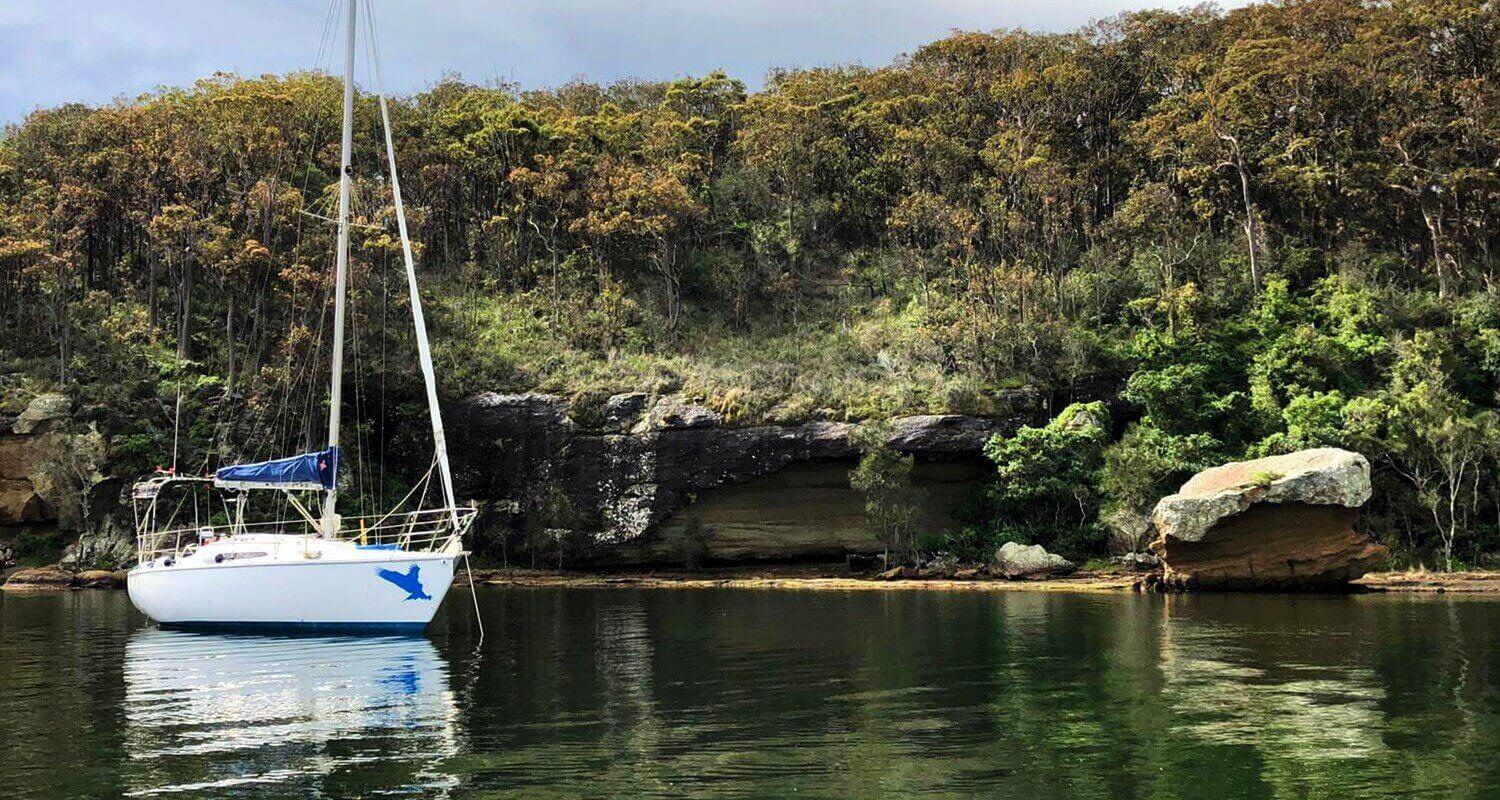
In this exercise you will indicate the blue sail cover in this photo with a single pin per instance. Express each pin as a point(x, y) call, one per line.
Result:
point(308, 471)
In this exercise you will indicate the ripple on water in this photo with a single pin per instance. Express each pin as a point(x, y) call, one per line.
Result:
point(769, 694)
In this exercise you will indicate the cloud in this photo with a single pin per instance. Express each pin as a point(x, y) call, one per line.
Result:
point(95, 50)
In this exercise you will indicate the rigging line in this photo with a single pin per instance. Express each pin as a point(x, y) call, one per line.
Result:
point(474, 593)
point(362, 461)
point(424, 354)
point(317, 300)
point(357, 449)
point(385, 296)
point(324, 51)
point(352, 224)
point(327, 36)
point(287, 384)
point(315, 130)
point(177, 420)
point(367, 464)
point(318, 350)
point(420, 483)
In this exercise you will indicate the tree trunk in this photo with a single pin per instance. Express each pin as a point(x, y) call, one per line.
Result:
point(233, 350)
point(1434, 220)
point(1250, 226)
point(185, 315)
point(151, 309)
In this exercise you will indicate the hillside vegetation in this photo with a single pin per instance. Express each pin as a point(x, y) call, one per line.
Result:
point(1271, 228)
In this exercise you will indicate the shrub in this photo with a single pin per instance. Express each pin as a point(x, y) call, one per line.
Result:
point(689, 544)
point(1046, 487)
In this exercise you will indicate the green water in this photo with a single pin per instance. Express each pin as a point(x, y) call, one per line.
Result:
point(728, 693)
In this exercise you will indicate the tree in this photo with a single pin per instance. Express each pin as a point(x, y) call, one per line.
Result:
point(1434, 438)
point(1152, 217)
point(1145, 465)
point(892, 502)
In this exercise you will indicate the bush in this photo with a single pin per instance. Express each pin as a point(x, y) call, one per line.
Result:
point(1147, 464)
point(1046, 487)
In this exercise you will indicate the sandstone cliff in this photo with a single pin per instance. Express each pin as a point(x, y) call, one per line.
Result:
point(50, 478)
point(627, 484)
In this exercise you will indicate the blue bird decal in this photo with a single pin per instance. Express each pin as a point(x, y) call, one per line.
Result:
point(408, 581)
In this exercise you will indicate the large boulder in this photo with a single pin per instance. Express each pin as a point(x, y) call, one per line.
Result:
point(101, 579)
point(1281, 522)
point(44, 412)
point(1017, 561)
point(53, 577)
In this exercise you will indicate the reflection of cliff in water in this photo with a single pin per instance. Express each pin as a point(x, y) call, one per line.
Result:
point(1297, 707)
point(1290, 680)
point(292, 715)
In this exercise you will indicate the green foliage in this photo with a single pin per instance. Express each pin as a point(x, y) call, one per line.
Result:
point(35, 547)
point(1046, 481)
point(892, 501)
point(1180, 397)
point(1147, 464)
point(1264, 478)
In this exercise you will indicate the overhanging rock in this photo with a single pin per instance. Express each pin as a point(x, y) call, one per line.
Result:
point(1281, 522)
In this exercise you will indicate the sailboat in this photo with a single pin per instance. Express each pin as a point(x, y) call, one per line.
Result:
point(305, 566)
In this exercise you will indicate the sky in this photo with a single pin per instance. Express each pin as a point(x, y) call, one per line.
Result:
point(93, 51)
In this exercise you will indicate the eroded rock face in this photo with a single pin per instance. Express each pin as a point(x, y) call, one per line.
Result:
point(675, 413)
point(40, 578)
point(20, 465)
point(940, 433)
point(29, 454)
point(1282, 522)
point(1018, 561)
point(804, 510)
point(618, 491)
point(51, 475)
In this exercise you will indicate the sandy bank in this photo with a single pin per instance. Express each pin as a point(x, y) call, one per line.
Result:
point(1422, 581)
point(835, 578)
point(788, 577)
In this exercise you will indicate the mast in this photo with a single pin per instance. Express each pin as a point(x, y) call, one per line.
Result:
point(424, 350)
point(336, 394)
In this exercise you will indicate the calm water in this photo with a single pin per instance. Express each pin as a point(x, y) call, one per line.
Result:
point(727, 693)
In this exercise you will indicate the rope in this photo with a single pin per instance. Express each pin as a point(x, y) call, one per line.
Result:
point(478, 618)
point(421, 484)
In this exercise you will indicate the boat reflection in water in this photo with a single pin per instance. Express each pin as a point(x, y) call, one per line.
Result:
point(290, 716)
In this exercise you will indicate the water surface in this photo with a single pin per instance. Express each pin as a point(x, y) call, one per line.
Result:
point(765, 693)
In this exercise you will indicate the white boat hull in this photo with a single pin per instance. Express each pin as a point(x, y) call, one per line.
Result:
point(398, 591)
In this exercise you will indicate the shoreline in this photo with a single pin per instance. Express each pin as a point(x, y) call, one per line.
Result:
point(812, 577)
point(791, 577)
point(835, 578)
